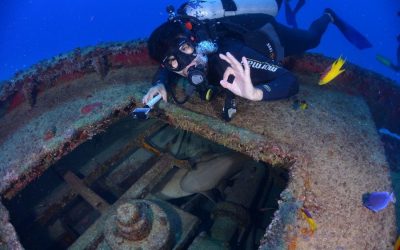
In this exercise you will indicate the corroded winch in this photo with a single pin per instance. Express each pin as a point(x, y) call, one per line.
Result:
point(138, 224)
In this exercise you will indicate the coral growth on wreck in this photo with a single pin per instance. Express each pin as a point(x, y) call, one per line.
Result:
point(108, 92)
point(68, 67)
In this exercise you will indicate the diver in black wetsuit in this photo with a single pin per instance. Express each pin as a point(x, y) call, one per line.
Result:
point(259, 44)
point(267, 81)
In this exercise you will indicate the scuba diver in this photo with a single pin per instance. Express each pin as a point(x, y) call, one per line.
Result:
point(242, 53)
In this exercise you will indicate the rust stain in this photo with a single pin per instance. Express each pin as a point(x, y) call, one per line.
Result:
point(150, 148)
point(306, 232)
point(50, 133)
point(90, 107)
point(292, 243)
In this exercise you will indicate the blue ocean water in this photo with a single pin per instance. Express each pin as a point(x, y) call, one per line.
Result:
point(33, 30)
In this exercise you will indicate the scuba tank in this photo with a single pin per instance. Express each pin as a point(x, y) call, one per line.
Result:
point(248, 20)
point(206, 9)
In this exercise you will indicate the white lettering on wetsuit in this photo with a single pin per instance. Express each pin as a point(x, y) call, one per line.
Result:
point(269, 46)
point(262, 65)
point(267, 88)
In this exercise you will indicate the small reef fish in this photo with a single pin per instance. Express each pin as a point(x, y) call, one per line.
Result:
point(385, 61)
point(332, 71)
point(376, 201)
point(306, 212)
point(90, 107)
point(302, 104)
point(311, 222)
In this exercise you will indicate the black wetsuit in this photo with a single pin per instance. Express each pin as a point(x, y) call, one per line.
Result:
point(275, 81)
point(293, 41)
point(266, 74)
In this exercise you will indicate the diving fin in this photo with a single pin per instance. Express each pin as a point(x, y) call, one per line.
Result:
point(290, 15)
point(299, 4)
point(351, 34)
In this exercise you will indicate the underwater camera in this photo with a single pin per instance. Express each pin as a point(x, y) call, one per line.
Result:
point(143, 113)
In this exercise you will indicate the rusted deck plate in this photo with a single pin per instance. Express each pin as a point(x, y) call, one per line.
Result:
point(63, 117)
point(337, 156)
point(332, 149)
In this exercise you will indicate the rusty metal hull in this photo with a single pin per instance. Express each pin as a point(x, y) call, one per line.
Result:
point(332, 149)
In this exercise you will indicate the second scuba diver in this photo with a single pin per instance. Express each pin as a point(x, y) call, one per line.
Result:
point(240, 53)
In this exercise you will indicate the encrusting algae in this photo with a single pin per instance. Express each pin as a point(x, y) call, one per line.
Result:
point(319, 141)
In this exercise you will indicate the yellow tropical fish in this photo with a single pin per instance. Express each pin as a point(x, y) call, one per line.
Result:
point(303, 105)
point(309, 219)
point(332, 71)
point(313, 225)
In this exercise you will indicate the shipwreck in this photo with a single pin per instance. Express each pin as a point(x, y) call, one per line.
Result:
point(78, 172)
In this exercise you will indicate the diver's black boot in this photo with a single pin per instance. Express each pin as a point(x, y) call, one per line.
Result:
point(229, 109)
point(351, 34)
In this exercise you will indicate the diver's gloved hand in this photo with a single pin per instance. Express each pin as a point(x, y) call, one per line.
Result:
point(156, 89)
point(241, 85)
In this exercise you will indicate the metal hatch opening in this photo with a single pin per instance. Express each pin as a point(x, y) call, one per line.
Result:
point(148, 185)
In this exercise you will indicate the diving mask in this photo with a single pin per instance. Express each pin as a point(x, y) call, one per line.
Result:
point(181, 56)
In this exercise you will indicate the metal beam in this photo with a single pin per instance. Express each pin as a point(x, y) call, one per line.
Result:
point(85, 192)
